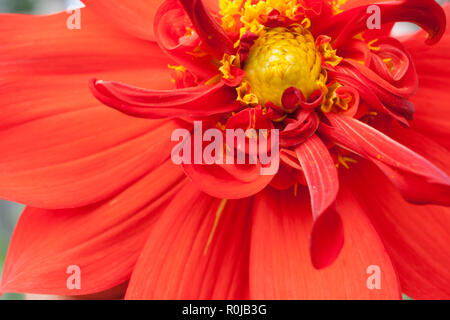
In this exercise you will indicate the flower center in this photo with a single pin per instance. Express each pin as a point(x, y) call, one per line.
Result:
point(281, 58)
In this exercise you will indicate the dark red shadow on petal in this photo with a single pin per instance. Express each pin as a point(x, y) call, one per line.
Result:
point(327, 238)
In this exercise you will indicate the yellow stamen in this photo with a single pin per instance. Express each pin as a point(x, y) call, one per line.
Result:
point(177, 68)
point(244, 94)
point(345, 160)
point(226, 63)
point(329, 54)
point(336, 4)
point(219, 211)
point(332, 101)
point(372, 47)
point(198, 52)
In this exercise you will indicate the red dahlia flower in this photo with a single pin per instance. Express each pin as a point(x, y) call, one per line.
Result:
point(363, 131)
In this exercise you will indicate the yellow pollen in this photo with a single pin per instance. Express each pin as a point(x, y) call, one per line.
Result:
point(336, 4)
point(345, 160)
point(219, 211)
point(177, 68)
point(281, 58)
point(371, 45)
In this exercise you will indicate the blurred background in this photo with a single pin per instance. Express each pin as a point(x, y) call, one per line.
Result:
point(9, 212)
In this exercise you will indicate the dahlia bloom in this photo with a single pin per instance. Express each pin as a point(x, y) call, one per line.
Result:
point(87, 118)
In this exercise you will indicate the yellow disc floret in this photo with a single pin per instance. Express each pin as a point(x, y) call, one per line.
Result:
point(281, 58)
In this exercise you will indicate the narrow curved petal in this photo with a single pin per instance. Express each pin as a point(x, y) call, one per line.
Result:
point(327, 235)
point(60, 140)
point(427, 14)
point(416, 237)
point(198, 249)
point(280, 267)
point(432, 115)
point(104, 240)
point(176, 37)
point(203, 100)
point(418, 179)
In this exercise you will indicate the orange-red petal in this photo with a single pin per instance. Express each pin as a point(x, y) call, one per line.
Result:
point(198, 249)
point(64, 148)
point(104, 240)
point(280, 267)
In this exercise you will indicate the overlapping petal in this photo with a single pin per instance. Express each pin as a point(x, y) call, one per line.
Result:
point(198, 249)
point(416, 237)
point(82, 152)
point(432, 113)
point(327, 235)
point(230, 181)
point(418, 180)
point(176, 37)
point(280, 266)
point(103, 240)
point(427, 14)
point(208, 29)
point(203, 100)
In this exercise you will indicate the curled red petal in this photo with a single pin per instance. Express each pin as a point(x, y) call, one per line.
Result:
point(352, 95)
point(327, 237)
point(291, 98)
point(417, 179)
point(207, 28)
point(300, 129)
point(247, 119)
point(171, 32)
point(246, 41)
point(195, 101)
point(286, 177)
point(427, 14)
point(228, 181)
point(376, 91)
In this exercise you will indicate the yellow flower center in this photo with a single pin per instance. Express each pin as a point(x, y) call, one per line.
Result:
point(281, 58)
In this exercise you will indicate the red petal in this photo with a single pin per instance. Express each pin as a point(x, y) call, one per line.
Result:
point(327, 236)
point(207, 28)
point(230, 181)
point(279, 264)
point(416, 237)
point(195, 251)
point(432, 116)
point(381, 91)
point(171, 33)
point(417, 179)
point(104, 240)
point(427, 14)
point(144, 103)
point(134, 17)
point(64, 148)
